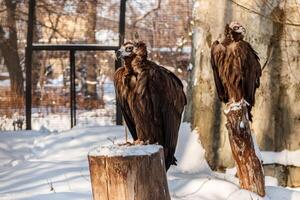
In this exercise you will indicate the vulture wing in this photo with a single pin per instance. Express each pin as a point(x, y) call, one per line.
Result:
point(121, 96)
point(159, 103)
point(174, 101)
point(218, 53)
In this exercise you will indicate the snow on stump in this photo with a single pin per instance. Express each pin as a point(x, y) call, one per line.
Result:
point(123, 172)
point(249, 166)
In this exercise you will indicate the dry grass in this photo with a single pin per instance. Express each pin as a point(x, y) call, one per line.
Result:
point(54, 101)
point(10, 103)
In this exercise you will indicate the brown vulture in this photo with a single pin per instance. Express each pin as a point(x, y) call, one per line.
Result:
point(236, 67)
point(151, 99)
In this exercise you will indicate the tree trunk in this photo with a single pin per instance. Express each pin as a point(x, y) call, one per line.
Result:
point(249, 167)
point(38, 63)
point(128, 173)
point(9, 49)
point(276, 111)
point(91, 39)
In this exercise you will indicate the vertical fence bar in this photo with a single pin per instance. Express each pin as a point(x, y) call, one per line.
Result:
point(121, 41)
point(28, 63)
point(72, 50)
point(72, 88)
point(122, 22)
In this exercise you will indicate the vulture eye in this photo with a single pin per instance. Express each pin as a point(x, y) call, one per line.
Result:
point(128, 49)
point(235, 28)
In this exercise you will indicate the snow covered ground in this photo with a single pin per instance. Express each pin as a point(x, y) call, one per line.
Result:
point(51, 163)
point(43, 165)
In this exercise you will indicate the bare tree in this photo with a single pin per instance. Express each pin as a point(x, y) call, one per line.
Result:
point(91, 10)
point(9, 48)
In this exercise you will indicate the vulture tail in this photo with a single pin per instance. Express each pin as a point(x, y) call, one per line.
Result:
point(170, 160)
point(249, 113)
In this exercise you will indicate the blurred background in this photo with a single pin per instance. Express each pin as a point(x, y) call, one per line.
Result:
point(179, 34)
point(163, 25)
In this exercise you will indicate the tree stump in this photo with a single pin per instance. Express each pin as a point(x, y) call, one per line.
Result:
point(128, 173)
point(249, 166)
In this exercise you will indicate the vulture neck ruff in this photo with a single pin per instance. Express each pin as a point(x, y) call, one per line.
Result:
point(135, 65)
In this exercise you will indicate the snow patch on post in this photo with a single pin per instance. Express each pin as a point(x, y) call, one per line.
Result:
point(125, 150)
point(128, 172)
point(233, 107)
point(242, 125)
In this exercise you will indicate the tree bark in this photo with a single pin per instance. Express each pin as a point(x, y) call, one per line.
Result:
point(129, 177)
point(9, 49)
point(277, 101)
point(91, 39)
point(249, 167)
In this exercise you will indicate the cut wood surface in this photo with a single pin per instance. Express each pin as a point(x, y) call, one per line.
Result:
point(128, 173)
point(249, 166)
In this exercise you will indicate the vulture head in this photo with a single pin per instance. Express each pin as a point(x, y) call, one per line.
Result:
point(130, 50)
point(237, 31)
point(237, 28)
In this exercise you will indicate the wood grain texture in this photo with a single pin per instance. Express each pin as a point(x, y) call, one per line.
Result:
point(249, 167)
point(129, 178)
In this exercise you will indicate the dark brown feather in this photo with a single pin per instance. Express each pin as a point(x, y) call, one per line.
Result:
point(154, 104)
point(218, 53)
point(241, 72)
point(236, 70)
point(122, 94)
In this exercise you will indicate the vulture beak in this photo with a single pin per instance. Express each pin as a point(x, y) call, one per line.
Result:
point(241, 30)
point(237, 27)
point(122, 53)
point(119, 54)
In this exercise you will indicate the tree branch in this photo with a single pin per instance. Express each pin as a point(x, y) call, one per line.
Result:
point(267, 17)
point(2, 10)
point(157, 7)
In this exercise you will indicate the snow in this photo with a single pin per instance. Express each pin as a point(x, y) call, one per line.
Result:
point(242, 125)
point(6, 33)
point(271, 181)
point(256, 148)
point(233, 107)
point(107, 37)
point(4, 74)
point(125, 150)
point(5, 83)
point(184, 49)
point(190, 67)
point(57, 82)
point(61, 122)
point(236, 106)
point(284, 157)
point(43, 165)
point(51, 163)
point(44, 119)
point(189, 144)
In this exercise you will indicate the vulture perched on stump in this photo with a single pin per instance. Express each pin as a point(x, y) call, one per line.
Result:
point(236, 67)
point(151, 99)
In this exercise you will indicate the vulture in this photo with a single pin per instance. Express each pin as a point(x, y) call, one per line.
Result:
point(236, 67)
point(151, 99)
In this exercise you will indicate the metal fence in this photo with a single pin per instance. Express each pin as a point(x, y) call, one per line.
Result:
point(69, 59)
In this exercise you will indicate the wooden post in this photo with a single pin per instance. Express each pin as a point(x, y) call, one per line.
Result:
point(249, 167)
point(128, 173)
